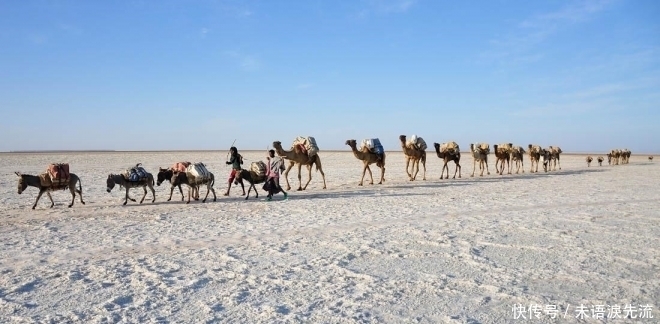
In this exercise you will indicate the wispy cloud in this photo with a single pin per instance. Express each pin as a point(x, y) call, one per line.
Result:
point(245, 62)
point(304, 86)
point(385, 7)
point(203, 32)
point(518, 45)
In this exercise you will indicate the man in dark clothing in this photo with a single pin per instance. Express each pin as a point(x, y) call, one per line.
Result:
point(273, 168)
point(235, 161)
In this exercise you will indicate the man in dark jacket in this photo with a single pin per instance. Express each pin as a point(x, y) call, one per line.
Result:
point(235, 161)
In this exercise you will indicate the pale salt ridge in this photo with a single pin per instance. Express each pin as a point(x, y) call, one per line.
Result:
point(440, 251)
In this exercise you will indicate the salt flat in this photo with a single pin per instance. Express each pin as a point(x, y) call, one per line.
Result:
point(434, 251)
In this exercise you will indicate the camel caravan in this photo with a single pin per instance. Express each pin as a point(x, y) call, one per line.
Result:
point(304, 151)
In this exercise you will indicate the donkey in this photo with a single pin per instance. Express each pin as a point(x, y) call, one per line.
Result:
point(169, 175)
point(251, 177)
point(193, 183)
point(25, 180)
point(118, 179)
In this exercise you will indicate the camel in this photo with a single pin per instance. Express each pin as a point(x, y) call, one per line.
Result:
point(625, 156)
point(600, 161)
point(480, 153)
point(609, 158)
point(168, 174)
point(589, 159)
point(616, 154)
point(297, 157)
point(118, 179)
point(534, 156)
point(27, 180)
point(252, 178)
point(449, 155)
point(546, 157)
point(179, 178)
point(554, 157)
point(651, 158)
point(415, 156)
point(368, 158)
point(517, 154)
point(503, 154)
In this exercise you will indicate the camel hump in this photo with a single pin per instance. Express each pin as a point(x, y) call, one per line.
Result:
point(308, 144)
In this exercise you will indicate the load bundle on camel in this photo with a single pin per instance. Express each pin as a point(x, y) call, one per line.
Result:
point(372, 145)
point(180, 167)
point(417, 143)
point(259, 168)
point(56, 176)
point(451, 147)
point(306, 144)
point(198, 171)
point(136, 173)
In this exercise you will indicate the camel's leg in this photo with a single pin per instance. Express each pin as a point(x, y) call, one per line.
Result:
point(370, 175)
point(486, 163)
point(474, 166)
point(414, 170)
point(309, 175)
point(407, 166)
point(52, 203)
point(364, 171)
point(299, 178)
point(424, 171)
point(559, 162)
point(286, 175)
point(208, 190)
point(456, 168)
point(322, 175)
point(382, 174)
point(497, 160)
point(508, 164)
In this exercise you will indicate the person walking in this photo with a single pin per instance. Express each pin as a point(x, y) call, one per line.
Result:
point(235, 161)
point(273, 168)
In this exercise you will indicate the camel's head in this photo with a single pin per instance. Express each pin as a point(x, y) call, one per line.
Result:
point(22, 185)
point(402, 138)
point(163, 174)
point(351, 142)
point(437, 146)
point(110, 183)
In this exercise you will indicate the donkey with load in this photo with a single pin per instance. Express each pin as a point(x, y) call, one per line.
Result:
point(56, 177)
point(193, 175)
point(134, 177)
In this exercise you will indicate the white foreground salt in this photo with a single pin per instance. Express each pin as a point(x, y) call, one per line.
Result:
point(434, 251)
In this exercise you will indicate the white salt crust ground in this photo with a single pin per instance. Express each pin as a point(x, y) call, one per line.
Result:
point(434, 251)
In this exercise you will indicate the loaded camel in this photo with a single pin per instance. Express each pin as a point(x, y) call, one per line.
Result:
point(600, 161)
point(554, 157)
point(546, 158)
point(449, 152)
point(589, 159)
point(368, 158)
point(625, 155)
point(414, 155)
point(609, 158)
point(517, 154)
point(300, 158)
point(616, 154)
point(118, 179)
point(534, 157)
point(27, 180)
point(480, 153)
point(503, 154)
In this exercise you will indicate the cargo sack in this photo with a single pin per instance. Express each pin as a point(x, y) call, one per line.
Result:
point(180, 166)
point(58, 172)
point(259, 168)
point(44, 180)
point(307, 144)
point(417, 142)
point(450, 147)
point(136, 173)
point(373, 145)
point(199, 171)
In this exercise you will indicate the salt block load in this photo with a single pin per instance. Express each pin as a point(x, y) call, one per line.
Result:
point(373, 145)
point(449, 147)
point(259, 168)
point(307, 144)
point(56, 175)
point(199, 171)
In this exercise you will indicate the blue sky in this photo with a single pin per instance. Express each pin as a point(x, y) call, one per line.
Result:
point(156, 75)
